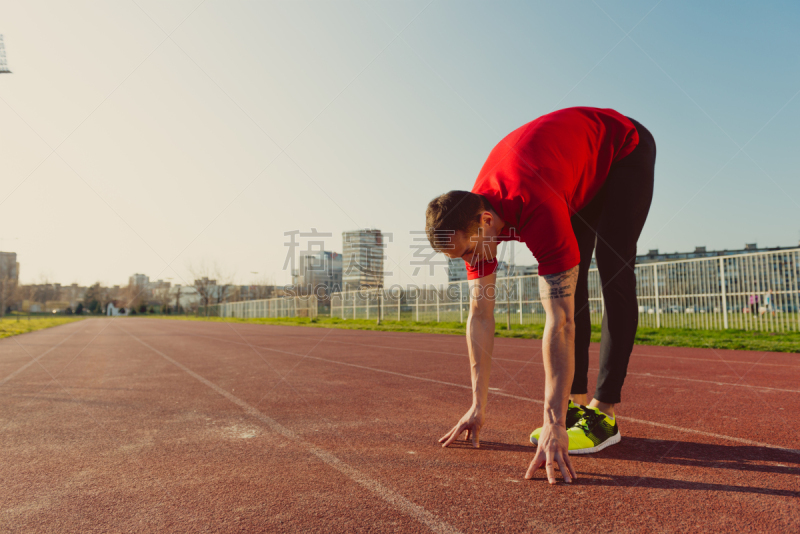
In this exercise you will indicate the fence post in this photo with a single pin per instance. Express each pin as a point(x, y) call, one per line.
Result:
point(658, 306)
point(461, 302)
point(724, 293)
point(399, 300)
point(416, 304)
point(437, 305)
point(508, 302)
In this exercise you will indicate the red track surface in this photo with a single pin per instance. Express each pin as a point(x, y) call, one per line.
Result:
point(152, 425)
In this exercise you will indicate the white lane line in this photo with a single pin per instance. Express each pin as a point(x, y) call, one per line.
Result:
point(537, 362)
point(390, 496)
point(526, 399)
point(711, 382)
point(594, 352)
point(36, 359)
point(536, 401)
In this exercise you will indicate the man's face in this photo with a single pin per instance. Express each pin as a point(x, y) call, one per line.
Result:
point(477, 246)
point(466, 247)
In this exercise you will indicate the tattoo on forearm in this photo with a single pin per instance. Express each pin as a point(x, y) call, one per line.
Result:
point(560, 285)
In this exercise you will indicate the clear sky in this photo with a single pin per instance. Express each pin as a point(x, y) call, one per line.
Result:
point(151, 136)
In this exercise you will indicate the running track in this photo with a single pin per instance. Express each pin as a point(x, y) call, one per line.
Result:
point(146, 425)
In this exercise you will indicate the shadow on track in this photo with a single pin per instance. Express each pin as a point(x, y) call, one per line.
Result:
point(666, 483)
point(492, 446)
point(703, 455)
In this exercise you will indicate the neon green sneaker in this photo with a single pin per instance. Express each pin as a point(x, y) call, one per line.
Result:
point(574, 414)
point(594, 432)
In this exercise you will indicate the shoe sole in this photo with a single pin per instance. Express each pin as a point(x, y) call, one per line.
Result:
point(613, 440)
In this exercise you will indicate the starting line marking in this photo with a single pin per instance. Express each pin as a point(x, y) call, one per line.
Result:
point(390, 496)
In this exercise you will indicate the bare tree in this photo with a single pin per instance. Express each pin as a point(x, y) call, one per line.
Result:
point(45, 290)
point(225, 287)
point(95, 298)
point(213, 284)
point(163, 295)
point(135, 296)
point(8, 287)
point(264, 288)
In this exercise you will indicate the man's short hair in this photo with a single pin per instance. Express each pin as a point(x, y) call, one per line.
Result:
point(451, 212)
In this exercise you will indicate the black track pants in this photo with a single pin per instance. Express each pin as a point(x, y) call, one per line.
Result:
point(613, 220)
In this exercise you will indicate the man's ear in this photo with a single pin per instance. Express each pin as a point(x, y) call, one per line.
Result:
point(487, 218)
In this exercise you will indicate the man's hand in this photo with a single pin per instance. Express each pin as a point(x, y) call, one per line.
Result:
point(553, 450)
point(471, 422)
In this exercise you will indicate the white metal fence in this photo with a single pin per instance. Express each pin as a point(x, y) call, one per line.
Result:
point(274, 307)
point(759, 291)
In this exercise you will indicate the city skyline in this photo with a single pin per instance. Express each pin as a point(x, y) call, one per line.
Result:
point(440, 265)
point(160, 147)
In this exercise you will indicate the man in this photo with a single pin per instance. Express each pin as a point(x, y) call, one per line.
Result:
point(561, 184)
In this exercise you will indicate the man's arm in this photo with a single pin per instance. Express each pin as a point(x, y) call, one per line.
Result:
point(557, 292)
point(480, 343)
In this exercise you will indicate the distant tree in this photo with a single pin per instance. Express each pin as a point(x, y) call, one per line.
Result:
point(151, 310)
point(163, 295)
point(94, 298)
point(68, 311)
point(79, 309)
point(45, 290)
point(264, 288)
point(8, 288)
point(213, 286)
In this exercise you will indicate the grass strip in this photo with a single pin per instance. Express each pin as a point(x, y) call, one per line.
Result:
point(665, 337)
point(13, 326)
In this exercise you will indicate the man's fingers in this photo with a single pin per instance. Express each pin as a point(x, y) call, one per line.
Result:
point(444, 438)
point(563, 468)
point(475, 441)
point(456, 432)
point(531, 469)
point(447, 436)
point(549, 466)
point(568, 461)
point(535, 464)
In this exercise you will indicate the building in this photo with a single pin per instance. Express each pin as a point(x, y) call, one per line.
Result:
point(185, 297)
point(700, 252)
point(157, 285)
point(362, 259)
point(318, 269)
point(9, 277)
point(523, 270)
point(139, 280)
point(9, 267)
point(457, 270)
point(113, 311)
